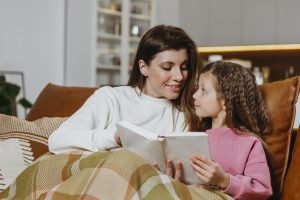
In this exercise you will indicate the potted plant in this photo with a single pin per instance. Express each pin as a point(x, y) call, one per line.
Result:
point(8, 98)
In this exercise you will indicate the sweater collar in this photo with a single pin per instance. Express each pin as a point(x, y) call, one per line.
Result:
point(163, 101)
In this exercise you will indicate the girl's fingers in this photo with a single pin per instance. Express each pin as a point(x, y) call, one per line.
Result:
point(199, 169)
point(204, 164)
point(204, 179)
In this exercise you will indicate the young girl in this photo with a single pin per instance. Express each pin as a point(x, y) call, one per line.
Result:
point(233, 113)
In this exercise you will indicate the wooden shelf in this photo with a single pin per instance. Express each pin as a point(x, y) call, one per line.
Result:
point(278, 57)
point(107, 11)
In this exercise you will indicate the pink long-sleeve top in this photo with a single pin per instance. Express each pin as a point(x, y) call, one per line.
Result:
point(243, 158)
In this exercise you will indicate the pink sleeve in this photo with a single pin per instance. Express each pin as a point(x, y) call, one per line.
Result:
point(255, 183)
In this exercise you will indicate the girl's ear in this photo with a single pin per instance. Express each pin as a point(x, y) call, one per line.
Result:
point(143, 67)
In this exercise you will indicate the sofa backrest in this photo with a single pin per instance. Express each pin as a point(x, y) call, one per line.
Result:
point(59, 101)
point(291, 186)
point(281, 98)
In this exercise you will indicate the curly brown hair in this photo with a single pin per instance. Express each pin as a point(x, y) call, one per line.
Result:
point(245, 107)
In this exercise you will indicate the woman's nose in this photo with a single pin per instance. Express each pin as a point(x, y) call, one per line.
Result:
point(177, 74)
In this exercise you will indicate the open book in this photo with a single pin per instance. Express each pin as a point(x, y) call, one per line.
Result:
point(160, 147)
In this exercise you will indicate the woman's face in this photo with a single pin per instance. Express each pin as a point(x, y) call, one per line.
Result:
point(166, 74)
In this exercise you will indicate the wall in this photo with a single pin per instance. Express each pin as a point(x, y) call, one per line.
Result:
point(37, 38)
point(80, 40)
point(168, 12)
point(241, 22)
point(32, 41)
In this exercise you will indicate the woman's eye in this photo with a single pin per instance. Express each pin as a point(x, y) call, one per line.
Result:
point(184, 67)
point(166, 68)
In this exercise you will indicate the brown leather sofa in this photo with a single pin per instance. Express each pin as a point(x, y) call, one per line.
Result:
point(284, 142)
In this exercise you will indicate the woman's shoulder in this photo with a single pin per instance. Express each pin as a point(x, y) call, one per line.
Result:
point(118, 93)
point(114, 90)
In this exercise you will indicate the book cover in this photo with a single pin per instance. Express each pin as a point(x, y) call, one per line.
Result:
point(160, 147)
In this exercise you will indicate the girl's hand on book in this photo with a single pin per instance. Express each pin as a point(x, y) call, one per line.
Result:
point(210, 172)
point(117, 138)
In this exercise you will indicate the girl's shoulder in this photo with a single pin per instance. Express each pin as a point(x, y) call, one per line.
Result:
point(248, 137)
point(234, 134)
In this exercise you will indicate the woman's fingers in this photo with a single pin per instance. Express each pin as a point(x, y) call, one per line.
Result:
point(117, 138)
point(178, 171)
point(155, 165)
point(170, 168)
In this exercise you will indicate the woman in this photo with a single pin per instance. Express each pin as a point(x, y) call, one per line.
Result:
point(157, 97)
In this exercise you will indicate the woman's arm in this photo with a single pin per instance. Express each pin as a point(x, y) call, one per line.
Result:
point(86, 129)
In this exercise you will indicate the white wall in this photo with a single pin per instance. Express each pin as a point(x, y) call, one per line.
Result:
point(80, 41)
point(32, 41)
point(241, 22)
point(35, 39)
point(168, 12)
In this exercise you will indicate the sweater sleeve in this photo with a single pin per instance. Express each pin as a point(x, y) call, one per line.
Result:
point(86, 128)
point(255, 183)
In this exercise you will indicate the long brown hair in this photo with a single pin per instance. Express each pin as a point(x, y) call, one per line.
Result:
point(161, 38)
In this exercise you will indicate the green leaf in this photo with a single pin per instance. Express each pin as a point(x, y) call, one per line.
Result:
point(25, 103)
point(10, 90)
point(4, 101)
point(2, 79)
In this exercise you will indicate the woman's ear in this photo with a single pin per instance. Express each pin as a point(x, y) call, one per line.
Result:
point(143, 67)
point(223, 104)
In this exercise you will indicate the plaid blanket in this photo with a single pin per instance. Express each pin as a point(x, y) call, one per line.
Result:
point(100, 175)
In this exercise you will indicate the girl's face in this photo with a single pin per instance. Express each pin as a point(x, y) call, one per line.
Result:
point(166, 74)
point(206, 100)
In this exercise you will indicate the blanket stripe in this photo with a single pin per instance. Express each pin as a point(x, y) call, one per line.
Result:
point(100, 175)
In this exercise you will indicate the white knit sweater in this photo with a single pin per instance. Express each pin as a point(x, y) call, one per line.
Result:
point(93, 126)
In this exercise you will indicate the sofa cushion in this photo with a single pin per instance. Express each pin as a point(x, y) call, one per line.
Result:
point(21, 142)
point(281, 97)
point(58, 101)
point(291, 186)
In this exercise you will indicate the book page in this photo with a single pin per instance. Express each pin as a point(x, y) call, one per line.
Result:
point(142, 142)
point(180, 147)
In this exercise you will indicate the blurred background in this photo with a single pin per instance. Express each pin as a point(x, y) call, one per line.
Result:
point(92, 42)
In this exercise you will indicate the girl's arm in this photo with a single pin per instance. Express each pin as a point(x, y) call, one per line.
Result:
point(85, 129)
point(254, 183)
